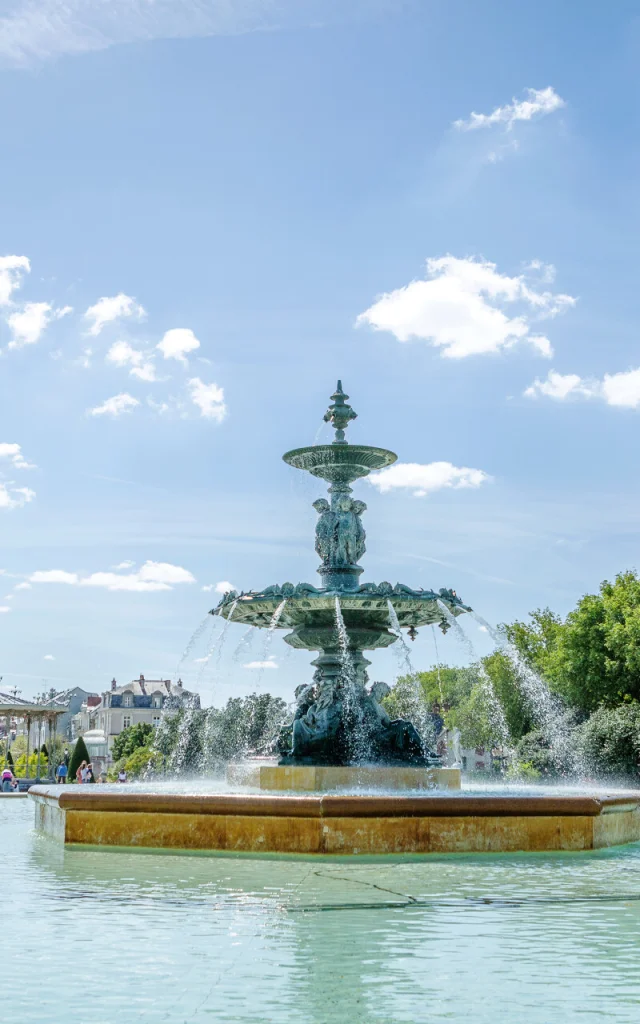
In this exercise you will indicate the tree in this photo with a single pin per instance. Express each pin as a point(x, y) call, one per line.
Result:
point(143, 761)
point(593, 657)
point(9, 759)
point(609, 741)
point(130, 739)
point(78, 755)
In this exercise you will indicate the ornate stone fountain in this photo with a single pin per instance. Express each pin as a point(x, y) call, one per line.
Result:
point(339, 720)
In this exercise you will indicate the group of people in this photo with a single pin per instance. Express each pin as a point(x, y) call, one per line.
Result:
point(9, 781)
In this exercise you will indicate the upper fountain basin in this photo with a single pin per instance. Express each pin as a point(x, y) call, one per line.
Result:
point(340, 463)
point(306, 605)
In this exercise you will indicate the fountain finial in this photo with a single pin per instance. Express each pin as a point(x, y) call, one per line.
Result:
point(339, 414)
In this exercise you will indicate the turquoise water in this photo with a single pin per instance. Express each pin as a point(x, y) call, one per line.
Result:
point(95, 937)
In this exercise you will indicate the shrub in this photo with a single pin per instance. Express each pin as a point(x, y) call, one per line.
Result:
point(78, 755)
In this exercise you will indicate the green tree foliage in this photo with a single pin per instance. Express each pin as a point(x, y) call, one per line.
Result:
point(78, 755)
point(143, 761)
point(593, 657)
point(9, 759)
point(130, 739)
point(609, 741)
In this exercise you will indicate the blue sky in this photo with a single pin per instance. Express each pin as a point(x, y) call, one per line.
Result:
point(217, 209)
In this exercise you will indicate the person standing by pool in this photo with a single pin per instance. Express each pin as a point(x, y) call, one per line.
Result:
point(61, 773)
point(7, 779)
point(80, 772)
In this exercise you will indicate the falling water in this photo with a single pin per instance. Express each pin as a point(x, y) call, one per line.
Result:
point(545, 707)
point(197, 633)
point(493, 705)
point(402, 650)
point(353, 706)
point(245, 643)
point(435, 644)
point(182, 761)
point(414, 706)
point(223, 635)
point(214, 640)
point(268, 640)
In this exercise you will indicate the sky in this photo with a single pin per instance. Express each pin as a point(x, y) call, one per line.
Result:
point(211, 210)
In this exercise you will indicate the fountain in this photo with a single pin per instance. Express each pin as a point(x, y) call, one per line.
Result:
point(350, 780)
point(339, 723)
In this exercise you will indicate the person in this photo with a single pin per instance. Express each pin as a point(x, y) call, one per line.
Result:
point(61, 773)
point(122, 775)
point(80, 772)
point(7, 779)
point(86, 772)
point(90, 776)
point(103, 778)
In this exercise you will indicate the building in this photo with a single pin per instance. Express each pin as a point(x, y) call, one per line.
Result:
point(140, 701)
point(73, 700)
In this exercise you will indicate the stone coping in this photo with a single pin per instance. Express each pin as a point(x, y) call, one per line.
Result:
point(93, 798)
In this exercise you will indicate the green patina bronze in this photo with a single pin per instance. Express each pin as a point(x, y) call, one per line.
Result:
point(337, 720)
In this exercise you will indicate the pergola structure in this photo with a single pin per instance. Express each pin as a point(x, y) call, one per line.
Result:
point(14, 707)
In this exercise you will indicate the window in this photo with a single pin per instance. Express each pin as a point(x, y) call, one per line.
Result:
point(126, 721)
point(128, 700)
point(156, 721)
point(157, 700)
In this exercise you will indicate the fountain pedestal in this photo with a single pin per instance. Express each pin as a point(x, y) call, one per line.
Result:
point(302, 778)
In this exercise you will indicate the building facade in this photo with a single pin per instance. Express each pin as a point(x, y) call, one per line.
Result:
point(140, 701)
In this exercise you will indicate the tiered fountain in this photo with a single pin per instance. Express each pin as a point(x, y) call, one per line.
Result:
point(339, 723)
point(341, 737)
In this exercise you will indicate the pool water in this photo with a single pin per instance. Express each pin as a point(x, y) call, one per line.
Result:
point(93, 937)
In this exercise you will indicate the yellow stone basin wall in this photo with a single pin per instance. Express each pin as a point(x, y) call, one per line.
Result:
point(335, 824)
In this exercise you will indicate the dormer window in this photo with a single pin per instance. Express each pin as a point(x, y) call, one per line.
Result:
point(127, 700)
point(156, 701)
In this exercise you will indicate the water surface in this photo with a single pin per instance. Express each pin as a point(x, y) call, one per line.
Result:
point(116, 937)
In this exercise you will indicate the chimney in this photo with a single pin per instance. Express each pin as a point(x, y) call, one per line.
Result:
point(113, 684)
point(141, 678)
point(180, 683)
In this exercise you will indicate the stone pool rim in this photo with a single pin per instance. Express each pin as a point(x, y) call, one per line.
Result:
point(335, 824)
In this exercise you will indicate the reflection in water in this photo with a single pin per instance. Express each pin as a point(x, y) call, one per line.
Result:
point(124, 937)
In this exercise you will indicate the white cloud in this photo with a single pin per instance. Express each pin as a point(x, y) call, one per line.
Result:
point(115, 406)
point(462, 308)
point(28, 324)
point(425, 479)
point(152, 576)
point(4, 609)
point(538, 103)
point(15, 497)
point(223, 587)
point(177, 342)
point(48, 657)
point(261, 664)
point(107, 309)
point(209, 398)
point(123, 565)
point(14, 453)
point(164, 572)
point(22, 586)
point(12, 269)
point(559, 385)
point(201, 661)
point(617, 389)
point(122, 353)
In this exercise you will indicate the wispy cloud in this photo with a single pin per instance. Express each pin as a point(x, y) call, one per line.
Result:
point(538, 103)
point(110, 308)
point(115, 406)
point(35, 30)
point(150, 577)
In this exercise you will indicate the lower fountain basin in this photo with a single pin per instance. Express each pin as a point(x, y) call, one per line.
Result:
point(242, 823)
